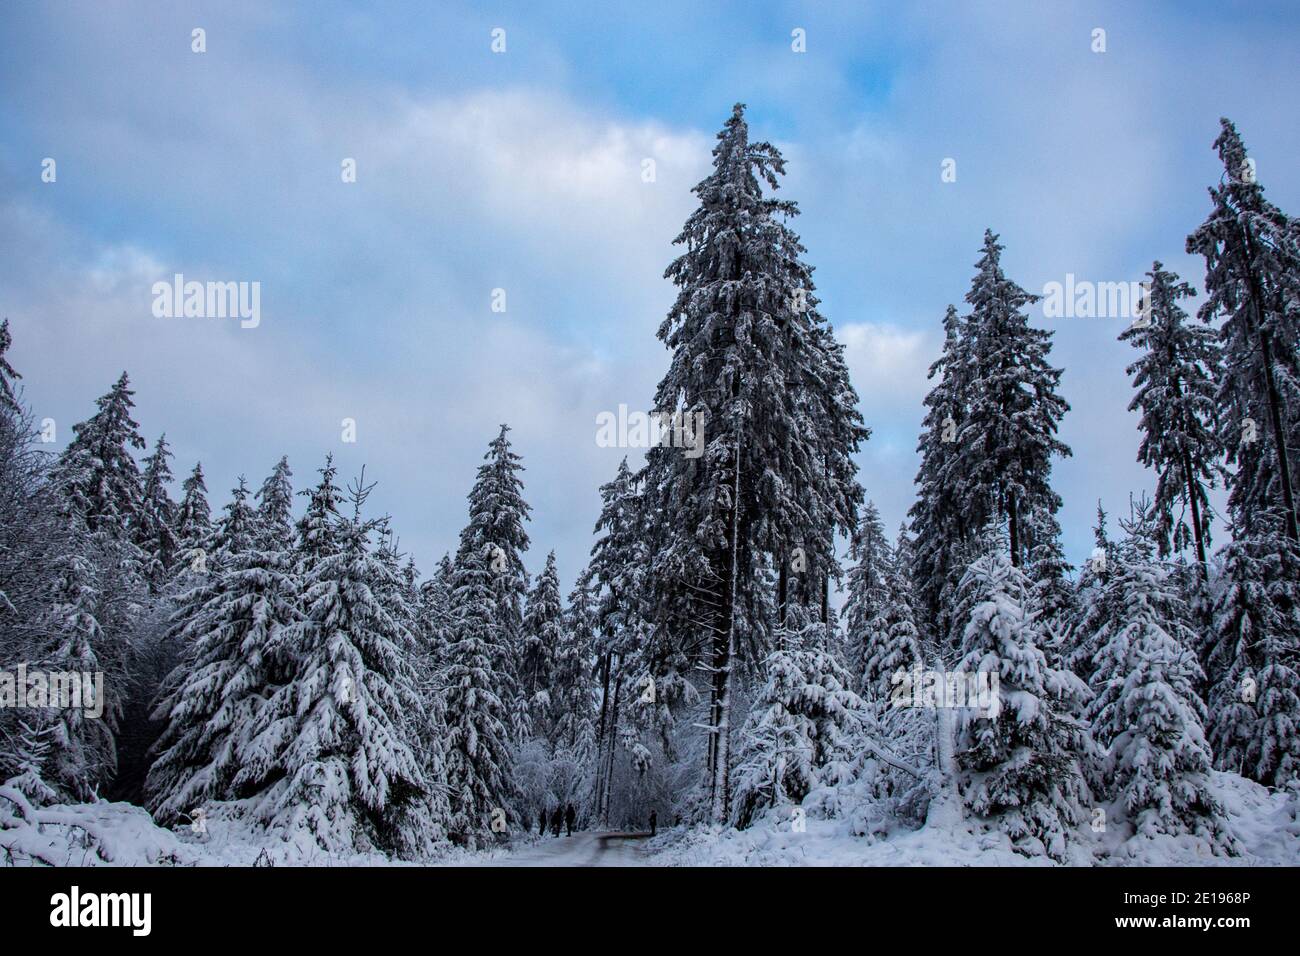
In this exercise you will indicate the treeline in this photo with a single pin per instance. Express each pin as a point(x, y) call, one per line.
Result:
point(300, 674)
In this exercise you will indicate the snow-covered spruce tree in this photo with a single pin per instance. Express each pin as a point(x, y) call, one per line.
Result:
point(805, 717)
point(939, 518)
point(34, 535)
point(642, 673)
point(478, 749)
point(1174, 380)
point(752, 355)
point(1147, 713)
point(1094, 604)
point(497, 512)
point(869, 550)
point(275, 509)
point(1254, 691)
point(1252, 282)
point(1051, 589)
point(541, 637)
point(84, 754)
point(572, 716)
point(435, 613)
point(1006, 442)
point(97, 473)
point(154, 534)
point(194, 524)
point(891, 641)
point(226, 672)
point(424, 707)
point(1022, 769)
point(622, 632)
point(331, 755)
point(96, 591)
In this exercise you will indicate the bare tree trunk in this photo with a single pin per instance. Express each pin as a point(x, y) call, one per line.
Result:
point(1196, 516)
point(611, 741)
point(721, 787)
point(1270, 385)
point(1013, 526)
point(783, 587)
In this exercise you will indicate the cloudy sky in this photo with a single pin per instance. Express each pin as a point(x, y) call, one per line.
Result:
point(522, 171)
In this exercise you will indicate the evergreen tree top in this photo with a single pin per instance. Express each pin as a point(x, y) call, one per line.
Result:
point(317, 527)
point(497, 509)
point(157, 471)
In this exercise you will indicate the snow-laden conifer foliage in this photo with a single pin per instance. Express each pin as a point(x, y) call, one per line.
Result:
point(1174, 382)
point(331, 751)
point(1024, 767)
point(1252, 284)
point(752, 354)
point(278, 665)
point(1147, 713)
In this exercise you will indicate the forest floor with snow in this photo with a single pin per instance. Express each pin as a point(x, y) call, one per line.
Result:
point(1266, 824)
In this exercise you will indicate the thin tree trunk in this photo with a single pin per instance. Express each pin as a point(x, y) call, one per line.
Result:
point(611, 742)
point(600, 734)
point(1013, 526)
point(721, 789)
point(1270, 383)
point(1194, 498)
point(783, 588)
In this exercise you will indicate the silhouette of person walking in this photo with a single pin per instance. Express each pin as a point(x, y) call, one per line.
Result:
point(654, 822)
point(569, 817)
point(541, 829)
point(555, 822)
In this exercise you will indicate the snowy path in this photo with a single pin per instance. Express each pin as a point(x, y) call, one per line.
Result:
point(581, 849)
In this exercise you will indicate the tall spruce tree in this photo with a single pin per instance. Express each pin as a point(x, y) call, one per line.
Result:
point(1175, 380)
point(497, 512)
point(623, 656)
point(479, 751)
point(1251, 659)
point(1006, 443)
point(867, 592)
point(573, 699)
point(1252, 282)
point(752, 355)
point(542, 625)
point(154, 533)
point(939, 517)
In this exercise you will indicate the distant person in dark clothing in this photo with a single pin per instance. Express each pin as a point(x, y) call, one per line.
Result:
point(654, 822)
point(569, 817)
point(556, 820)
point(541, 829)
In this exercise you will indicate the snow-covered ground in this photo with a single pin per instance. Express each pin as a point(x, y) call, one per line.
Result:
point(1264, 822)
